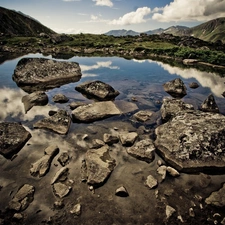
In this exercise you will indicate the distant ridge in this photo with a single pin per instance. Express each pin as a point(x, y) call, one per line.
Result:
point(213, 30)
point(18, 24)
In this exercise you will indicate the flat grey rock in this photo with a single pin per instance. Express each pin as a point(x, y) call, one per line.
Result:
point(95, 111)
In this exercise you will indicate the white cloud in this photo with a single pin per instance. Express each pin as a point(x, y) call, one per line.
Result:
point(133, 17)
point(107, 64)
point(183, 10)
point(103, 2)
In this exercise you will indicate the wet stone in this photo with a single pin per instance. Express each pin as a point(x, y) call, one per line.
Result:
point(110, 139)
point(193, 85)
point(64, 158)
point(143, 150)
point(76, 210)
point(209, 105)
point(38, 98)
point(143, 115)
point(22, 198)
point(121, 192)
point(59, 122)
point(61, 190)
point(13, 136)
point(128, 139)
point(98, 90)
point(60, 98)
point(151, 182)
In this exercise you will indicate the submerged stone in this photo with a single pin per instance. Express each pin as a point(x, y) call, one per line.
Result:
point(209, 105)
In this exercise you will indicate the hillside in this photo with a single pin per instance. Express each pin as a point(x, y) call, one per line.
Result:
point(212, 30)
point(18, 24)
point(122, 32)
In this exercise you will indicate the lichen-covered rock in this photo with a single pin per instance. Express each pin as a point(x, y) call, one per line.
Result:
point(171, 107)
point(209, 105)
point(22, 198)
point(143, 150)
point(99, 165)
point(175, 88)
point(193, 141)
point(42, 166)
point(36, 98)
point(59, 122)
point(36, 74)
point(13, 136)
point(95, 111)
point(98, 89)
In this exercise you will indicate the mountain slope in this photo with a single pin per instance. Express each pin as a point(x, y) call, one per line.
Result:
point(17, 24)
point(176, 30)
point(212, 30)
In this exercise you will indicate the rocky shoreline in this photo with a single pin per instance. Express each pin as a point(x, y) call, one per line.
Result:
point(116, 173)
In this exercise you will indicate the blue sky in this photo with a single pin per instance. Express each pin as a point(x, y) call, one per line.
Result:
point(100, 16)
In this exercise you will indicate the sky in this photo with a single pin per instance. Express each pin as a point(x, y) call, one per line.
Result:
point(101, 16)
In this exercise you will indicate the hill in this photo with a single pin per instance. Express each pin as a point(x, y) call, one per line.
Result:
point(212, 30)
point(122, 32)
point(18, 24)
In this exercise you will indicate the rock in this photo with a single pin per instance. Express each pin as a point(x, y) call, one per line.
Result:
point(84, 175)
point(13, 136)
point(98, 90)
point(171, 107)
point(128, 139)
point(169, 211)
point(162, 171)
point(204, 180)
point(61, 190)
point(97, 143)
point(60, 98)
point(190, 61)
point(36, 74)
point(18, 216)
point(194, 85)
point(76, 210)
point(110, 139)
point(175, 88)
point(42, 166)
point(22, 198)
point(59, 38)
point(172, 172)
point(38, 98)
point(143, 150)
point(95, 111)
point(191, 212)
point(121, 192)
point(64, 158)
point(217, 198)
point(62, 172)
point(74, 105)
point(58, 204)
point(143, 115)
point(209, 105)
point(59, 122)
point(193, 141)
point(151, 182)
point(99, 165)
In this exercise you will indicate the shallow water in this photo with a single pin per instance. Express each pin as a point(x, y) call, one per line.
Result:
point(132, 78)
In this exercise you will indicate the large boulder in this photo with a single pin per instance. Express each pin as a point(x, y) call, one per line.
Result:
point(95, 111)
point(59, 122)
point(193, 141)
point(98, 90)
point(99, 165)
point(33, 74)
point(36, 98)
point(175, 88)
point(13, 136)
point(171, 107)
